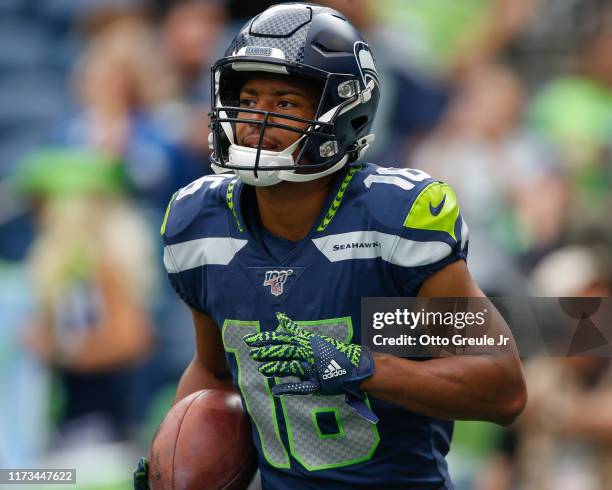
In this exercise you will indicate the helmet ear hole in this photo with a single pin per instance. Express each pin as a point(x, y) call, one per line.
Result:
point(359, 122)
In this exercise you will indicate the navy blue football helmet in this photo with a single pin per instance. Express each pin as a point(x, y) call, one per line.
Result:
point(318, 45)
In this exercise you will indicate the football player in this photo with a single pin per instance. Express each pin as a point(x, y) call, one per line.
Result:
point(274, 254)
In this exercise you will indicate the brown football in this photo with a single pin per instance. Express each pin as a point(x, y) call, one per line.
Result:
point(203, 443)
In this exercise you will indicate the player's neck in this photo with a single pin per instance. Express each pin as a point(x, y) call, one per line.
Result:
point(289, 209)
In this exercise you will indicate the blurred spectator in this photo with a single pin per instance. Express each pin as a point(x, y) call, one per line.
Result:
point(547, 44)
point(496, 169)
point(563, 440)
point(93, 274)
point(451, 38)
point(130, 106)
point(193, 32)
point(412, 102)
point(573, 271)
point(37, 46)
point(575, 112)
point(117, 75)
point(35, 43)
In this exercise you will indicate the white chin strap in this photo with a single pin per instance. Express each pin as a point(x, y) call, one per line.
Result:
point(244, 156)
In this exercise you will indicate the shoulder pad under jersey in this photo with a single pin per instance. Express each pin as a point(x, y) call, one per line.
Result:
point(194, 209)
point(410, 203)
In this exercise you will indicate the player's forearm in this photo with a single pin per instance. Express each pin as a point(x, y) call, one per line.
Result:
point(460, 388)
point(197, 377)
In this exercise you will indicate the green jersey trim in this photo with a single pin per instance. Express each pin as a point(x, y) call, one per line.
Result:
point(335, 205)
point(229, 198)
point(165, 221)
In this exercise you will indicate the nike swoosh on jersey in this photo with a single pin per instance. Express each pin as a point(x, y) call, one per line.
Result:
point(435, 211)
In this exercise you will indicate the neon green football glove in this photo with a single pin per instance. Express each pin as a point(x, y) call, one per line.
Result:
point(324, 365)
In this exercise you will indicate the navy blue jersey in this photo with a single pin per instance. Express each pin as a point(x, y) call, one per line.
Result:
point(382, 233)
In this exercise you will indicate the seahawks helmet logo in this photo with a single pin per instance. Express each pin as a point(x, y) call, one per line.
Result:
point(367, 65)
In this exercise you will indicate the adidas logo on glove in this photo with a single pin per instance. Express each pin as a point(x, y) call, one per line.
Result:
point(333, 370)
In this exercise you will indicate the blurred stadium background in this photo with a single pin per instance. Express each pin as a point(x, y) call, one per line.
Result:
point(103, 115)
